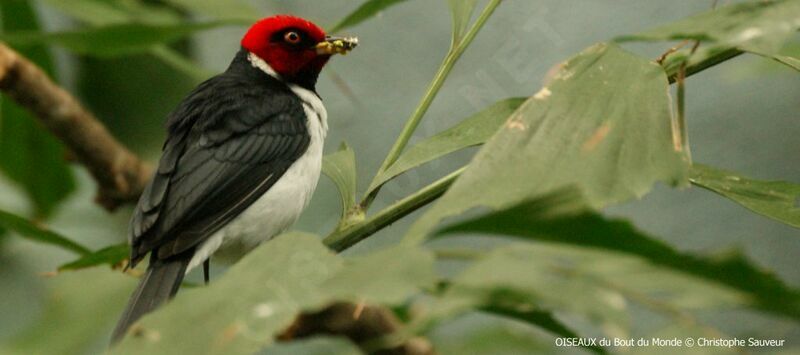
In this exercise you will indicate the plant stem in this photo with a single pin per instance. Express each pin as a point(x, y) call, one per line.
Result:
point(680, 130)
point(444, 71)
point(680, 135)
point(341, 240)
point(710, 61)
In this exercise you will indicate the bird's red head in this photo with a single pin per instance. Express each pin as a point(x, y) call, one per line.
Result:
point(293, 46)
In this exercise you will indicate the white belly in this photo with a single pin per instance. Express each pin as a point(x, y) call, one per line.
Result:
point(281, 206)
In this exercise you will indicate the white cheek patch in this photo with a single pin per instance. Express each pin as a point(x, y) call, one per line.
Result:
point(259, 63)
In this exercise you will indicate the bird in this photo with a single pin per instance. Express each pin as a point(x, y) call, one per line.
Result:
point(241, 160)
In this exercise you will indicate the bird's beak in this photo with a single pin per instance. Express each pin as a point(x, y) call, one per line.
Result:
point(336, 45)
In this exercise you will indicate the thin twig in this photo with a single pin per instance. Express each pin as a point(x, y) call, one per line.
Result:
point(674, 49)
point(119, 173)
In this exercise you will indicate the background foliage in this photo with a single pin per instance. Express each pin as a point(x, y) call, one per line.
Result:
point(575, 218)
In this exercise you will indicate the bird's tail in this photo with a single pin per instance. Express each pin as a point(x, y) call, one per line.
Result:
point(159, 284)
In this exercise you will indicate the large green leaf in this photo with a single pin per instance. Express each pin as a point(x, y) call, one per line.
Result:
point(340, 167)
point(471, 335)
point(470, 132)
point(28, 230)
point(538, 318)
point(600, 287)
point(563, 218)
point(104, 12)
point(755, 26)
point(778, 200)
point(789, 55)
point(367, 10)
point(112, 255)
point(682, 332)
point(386, 276)
point(500, 301)
point(602, 125)
point(113, 40)
point(77, 317)
point(791, 62)
point(29, 155)
point(235, 10)
point(272, 284)
point(462, 14)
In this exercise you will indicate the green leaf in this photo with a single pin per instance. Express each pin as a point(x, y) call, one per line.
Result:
point(29, 155)
point(579, 283)
point(234, 10)
point(104, 12)
point(386, 276)
point(778, 200)
point(527, 279)
point(78, 314)
point(563, 218)
point(272, 284)
point(113, 40)
point(761, 26)
point(340, 167)
point(28, 230)
point(93, 12)
point(791, 62)
point(364, 12)
point(684, 331)
point(462, 13)
point(485, 335)
point(588, 128)
point(789, 55)
point(470, 132)
point(112, 255)
point(541, 319)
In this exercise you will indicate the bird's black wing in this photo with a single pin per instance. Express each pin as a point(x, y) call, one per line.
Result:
point(229, 142)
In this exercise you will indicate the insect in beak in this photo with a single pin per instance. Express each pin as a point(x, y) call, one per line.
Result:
point(336, 45)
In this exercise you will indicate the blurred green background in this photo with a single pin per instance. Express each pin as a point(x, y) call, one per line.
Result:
point(743, 115)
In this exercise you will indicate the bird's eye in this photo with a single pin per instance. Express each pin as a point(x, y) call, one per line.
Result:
point(292, 37)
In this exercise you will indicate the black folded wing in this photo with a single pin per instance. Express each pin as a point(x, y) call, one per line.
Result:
point(228, 143)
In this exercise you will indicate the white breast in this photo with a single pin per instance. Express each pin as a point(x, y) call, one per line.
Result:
point(282, 204)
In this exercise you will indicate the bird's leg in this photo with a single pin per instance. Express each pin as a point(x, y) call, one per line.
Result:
point(206, 269)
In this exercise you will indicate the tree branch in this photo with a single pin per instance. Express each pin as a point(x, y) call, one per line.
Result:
point(359, 323)
point(119, 173)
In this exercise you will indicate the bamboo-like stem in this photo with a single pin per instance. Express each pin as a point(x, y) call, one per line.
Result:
point(708, 62)
point(436, 85)
point(341, 240)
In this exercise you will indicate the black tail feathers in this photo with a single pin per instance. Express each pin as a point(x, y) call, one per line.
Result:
point(159, 284)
